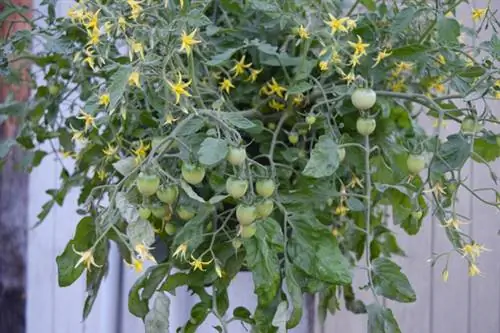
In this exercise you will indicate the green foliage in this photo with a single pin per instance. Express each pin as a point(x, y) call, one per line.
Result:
point(166, 89)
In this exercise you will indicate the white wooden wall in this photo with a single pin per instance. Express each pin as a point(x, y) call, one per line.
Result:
point(462, 305)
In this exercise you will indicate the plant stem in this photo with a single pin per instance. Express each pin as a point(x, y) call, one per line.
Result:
point(353, 7)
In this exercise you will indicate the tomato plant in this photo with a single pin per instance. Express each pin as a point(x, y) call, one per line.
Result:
point(258, 137)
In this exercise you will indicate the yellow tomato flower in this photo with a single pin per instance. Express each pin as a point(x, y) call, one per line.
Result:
point(101, 174)
point(198, 263)
point(337, 24)
point(398, 85)
point(218, 270)
point(110, 151)
point(298, 99)
point(240, 67)
point(336, 58)
point(302, 32)
point(226, 85)
point(275, 88)
point(136, 9)
point(438, 87)
point(133, 79)
point(122, 23)
point(497, 83)
point(264, 91)
point(323, 66)
point(441, 59)
point(403, 66)
point(179, 88)
point(497, 94)
point(478, 13)
point(92, 20)
point(104, 99)
point(143, 252)
point(188, 41)
point(181, 251)
point(381, 56)
point(355, 60)
point(141, 151)
point(359, 47)
point(437, 189)
point(349, 78)
point(341, 209)
point(273, 104)
point(355, 182)
point(89, 59)
point(169, 119)
point(88, 118)
point(253, 74)
point(351, 24)
point(445, 275)
point(78, 136)
point(474, 270)
point(136, 264)
point(137, 48)
point(473, 250)
point(86, 258)
point(94, 35)
point(453, 223)
point(76, 14)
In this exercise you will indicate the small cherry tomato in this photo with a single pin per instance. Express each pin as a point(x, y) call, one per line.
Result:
point(470, 125)
point(310, 120)
point(185, 213)
point(363, 98)
point(170, 229)
point(265, 187)
point(53, 89)
point(144, 213)
point(264, 208)
point(365, 126)
point(248, 231)
point(236, 156)
point(246, 214)
point(341, 153)
point(236, 243)
point(147, 184)
point(293, 138)
point(415, 163)
point(193, 174)
point(159, 211)
point(417, 214)
point(271, 126)
point(236, 187)
point(168, 194)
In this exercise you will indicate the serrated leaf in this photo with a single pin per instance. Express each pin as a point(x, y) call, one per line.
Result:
point(299, 88)
point(369, 4)
point(127, 211)
point(220, 58)
point(324, 159)
point(156, 321)
point(487, 148)
point(125, 166)
point(192, 126)
point(409, 52)
point(192, 232)
point(212, 151)
point(295, 297)
point(190, 192)
point(237, 120)
point(141, 232)
point(381, 320)
point(451, 155)
point(389, 282)
point(448, 29)
point(118, 85)
point(403, 19)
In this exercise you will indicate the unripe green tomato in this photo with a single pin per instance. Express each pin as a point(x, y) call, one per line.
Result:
point(159, 211)
point(452, 187)
point(185, 213)
point(365, 126)
point(168, 194)
point(264, 208)
point(302, 154)
point(293, 138)
point(147, 184)
point(170, 229)
point(53, 89)
point(470, 125)
point(265, 187)
point(415, 163)
point(248, 231)
point(193, 174)
point(246, 214)
point(363, 98)
point(236, 243)
point(417, 214)
point(236, 187)
point(341, 153)
point(271, 126)
point(310, 120)
point(144, 213)
point(236, 156)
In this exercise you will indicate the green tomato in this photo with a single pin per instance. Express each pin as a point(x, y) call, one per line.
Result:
point(170, 229)
point(236, 187)
point(341, 153)
point(193, 174)
point(415, 163)
point(293, 138)
point(265, 187)
point(53, 89)
point(470, 125)
point(417, 214)
point(236, 243)
point(236, 156)
point(144, 213)
point(264, 208)
point(159, 211)
point(168, 194)
point(271, 126)
point(365, 126)
point(185, 213)
point(246, 214)
point(248, 231)
point(310, 120)
point(147, 184)
point(363, 98)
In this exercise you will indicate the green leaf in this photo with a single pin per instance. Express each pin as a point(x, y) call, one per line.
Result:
point(313, 249)
point(243, 314)
point(217, 198)
point(125, 166)
point(237, 120)
point(212, 151)
point(409, 52)
point(295, 297)
point(127, 210)
point(220, 58)
point(369, 4)
point(279, 319)
point(155, 276)
point(448, 30)
point(136, 305)
point(389, 282)
point(140, 232)
point(156, 321)
point(403, 19)
point(324, 159)
point(451, 155)
point(262, 261)
point(487, 148)
point(5, 147)
point(472, 72)
point(192, 232)
point(355, 204)
point(381, 320)
point(190, 192)
point(119, 82)
point(192, 126)
point(66, 271)
point(299, 88)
